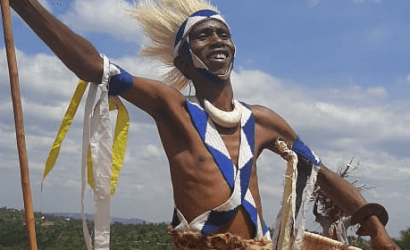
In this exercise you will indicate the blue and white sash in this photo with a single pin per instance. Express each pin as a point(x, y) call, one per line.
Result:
point(237, 177)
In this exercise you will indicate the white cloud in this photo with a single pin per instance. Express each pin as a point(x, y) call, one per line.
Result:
point(380, 194)
point(328, 109)
point(103, 16)
point(405, 171)
point(364, 1)
point(377, 92)
point(150, 151)
point(408, 78)
point(336, 126)
point(41, 75)
point(142, 67)
point(313, 3)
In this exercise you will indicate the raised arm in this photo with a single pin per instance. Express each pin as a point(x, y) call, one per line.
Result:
point(75, 52)
point(84, 60)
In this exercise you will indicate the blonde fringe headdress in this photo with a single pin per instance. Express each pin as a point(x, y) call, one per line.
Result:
point(161, 20)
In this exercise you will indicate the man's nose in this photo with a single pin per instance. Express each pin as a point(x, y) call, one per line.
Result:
point(216, 38)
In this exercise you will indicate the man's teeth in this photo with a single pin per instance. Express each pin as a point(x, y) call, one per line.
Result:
point(219, 56)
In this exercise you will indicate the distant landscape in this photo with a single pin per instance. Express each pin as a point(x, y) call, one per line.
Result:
point(63, 231)
point(89, 217)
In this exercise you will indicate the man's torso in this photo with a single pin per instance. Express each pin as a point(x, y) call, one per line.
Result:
point(198, 183)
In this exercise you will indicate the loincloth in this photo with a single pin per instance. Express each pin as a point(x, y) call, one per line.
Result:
point(195, 240)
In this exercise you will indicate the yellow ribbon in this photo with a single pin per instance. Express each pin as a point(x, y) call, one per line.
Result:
point(120, 137)
point(119, 146)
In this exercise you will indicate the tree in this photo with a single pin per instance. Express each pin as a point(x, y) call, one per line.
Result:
point(404, 241)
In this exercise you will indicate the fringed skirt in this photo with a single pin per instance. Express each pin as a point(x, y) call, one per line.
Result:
point(195, 240)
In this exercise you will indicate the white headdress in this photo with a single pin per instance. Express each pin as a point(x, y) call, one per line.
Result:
point(161, 20)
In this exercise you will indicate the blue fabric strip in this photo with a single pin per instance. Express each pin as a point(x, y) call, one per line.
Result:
point(301, 149)
point(265, 227)
point(245, 176)
point(253, 214)
point(180, 34)
point(225, 165)
point(199, 119)
point(120, 83)
point(218, 219)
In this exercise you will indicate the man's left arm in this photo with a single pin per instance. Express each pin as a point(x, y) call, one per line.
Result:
point(345, 195)
point(372, 217)
point(341, 192)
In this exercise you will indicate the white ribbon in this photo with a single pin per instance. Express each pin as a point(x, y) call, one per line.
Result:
point(86, 142)
point(97, 137)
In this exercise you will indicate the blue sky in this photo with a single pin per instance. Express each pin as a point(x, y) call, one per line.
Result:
point(337, 71)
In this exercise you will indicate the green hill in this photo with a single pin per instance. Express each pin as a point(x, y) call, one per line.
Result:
point(56, 232)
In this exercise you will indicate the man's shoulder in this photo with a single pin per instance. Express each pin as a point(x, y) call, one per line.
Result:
point(269, 120)
point(264, 114)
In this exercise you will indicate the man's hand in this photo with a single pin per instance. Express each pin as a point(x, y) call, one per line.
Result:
point(382, 241)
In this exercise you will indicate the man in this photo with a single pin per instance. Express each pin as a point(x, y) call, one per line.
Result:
point(211, 197)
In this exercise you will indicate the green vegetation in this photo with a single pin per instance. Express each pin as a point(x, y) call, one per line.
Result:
point(60, 233)
point(404, 241)
point(359, 242)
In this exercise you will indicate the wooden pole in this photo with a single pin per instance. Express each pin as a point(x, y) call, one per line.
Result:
point(18, 120)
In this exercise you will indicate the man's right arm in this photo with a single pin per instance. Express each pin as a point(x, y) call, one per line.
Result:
point(84, 60)
point(75, 52)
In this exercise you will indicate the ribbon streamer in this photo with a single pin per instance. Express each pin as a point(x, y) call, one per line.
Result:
point(102, 155)
point(284, 233)
point(120, 137)
point(64, 127)
point(119, 147)
point(287, 235)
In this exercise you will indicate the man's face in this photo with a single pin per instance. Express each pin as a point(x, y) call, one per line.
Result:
point(211, 42)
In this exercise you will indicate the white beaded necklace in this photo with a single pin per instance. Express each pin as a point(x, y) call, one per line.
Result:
point(227, 119)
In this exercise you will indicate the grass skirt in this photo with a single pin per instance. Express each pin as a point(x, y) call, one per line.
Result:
point(195, 240)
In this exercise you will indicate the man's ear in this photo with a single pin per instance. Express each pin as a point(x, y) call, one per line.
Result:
point(183, 65)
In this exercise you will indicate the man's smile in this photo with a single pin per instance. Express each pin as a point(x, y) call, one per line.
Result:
point(218, 56)
point(218, 59)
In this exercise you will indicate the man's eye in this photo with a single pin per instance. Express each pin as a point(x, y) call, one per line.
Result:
point(224, 35)
point(202, 36)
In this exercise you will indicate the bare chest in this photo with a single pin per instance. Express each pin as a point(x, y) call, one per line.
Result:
point(232, 140)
